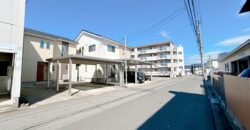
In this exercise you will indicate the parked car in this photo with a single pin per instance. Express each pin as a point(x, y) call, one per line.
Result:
point(131, 77)
point(245, 73)
point(143, 76)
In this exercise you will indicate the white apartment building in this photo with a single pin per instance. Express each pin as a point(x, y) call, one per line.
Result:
point(167, 59)
point(91, 44)
point(11, 48)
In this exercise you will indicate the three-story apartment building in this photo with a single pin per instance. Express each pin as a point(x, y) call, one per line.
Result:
point(167, 58)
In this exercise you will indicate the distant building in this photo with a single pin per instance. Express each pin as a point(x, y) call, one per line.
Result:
point(166, 58)
point(237, 60)
point(212, 64)
point(11, 48)
point(222, 55)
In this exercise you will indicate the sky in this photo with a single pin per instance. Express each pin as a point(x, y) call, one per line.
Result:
point(222, 28)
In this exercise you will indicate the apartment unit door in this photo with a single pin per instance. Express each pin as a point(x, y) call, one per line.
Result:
point(41, 71)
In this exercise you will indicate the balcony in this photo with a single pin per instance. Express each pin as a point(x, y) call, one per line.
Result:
point(148, 51)
point(174, 56)
point(164, 49)
point(143, 58)
point(164, 57)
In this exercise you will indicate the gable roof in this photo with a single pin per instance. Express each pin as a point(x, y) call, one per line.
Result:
point(46, 35)
point(246, 43)
point(99, 36)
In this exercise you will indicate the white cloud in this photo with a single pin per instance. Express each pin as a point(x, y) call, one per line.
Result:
point(196, 59)
point(233, 41)
point(246, 30)
point(165, 34)
point(242, 14)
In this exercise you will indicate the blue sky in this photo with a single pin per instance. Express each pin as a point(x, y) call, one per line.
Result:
point(223, 29)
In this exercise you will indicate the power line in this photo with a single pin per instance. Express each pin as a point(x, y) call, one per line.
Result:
point(195, 18)
point(157, 26)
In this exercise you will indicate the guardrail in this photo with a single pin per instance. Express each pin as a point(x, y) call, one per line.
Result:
point(235, 92)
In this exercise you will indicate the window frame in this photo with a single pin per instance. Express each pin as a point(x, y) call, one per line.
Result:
point(91, 49)
point(42, 44)
point(111, 48)
point(48, 45)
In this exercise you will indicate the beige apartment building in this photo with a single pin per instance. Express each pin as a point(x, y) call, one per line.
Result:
point(39, 46)
point(167, 59)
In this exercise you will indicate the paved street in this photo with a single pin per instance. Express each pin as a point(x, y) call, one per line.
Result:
point(177, 103)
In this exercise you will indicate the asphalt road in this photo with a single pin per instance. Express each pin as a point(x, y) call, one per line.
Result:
point(176, 104)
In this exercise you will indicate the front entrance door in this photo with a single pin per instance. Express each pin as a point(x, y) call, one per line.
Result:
point(41, 71)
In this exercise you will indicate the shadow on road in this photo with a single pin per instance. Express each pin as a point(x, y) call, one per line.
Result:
point(184, 111)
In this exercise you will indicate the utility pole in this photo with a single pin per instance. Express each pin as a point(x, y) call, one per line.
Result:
point(198, 33)
point(126, 67)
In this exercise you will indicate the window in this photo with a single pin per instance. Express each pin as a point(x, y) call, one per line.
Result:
point(179, 53)
point(41, 43)
point(112, 48)
point(48, 45)
point(161, 55)
point(66, 67)
point(180, 60)
point(180, 67)
point(175, 61)
point(65, 47)
point(92, 48)
point(53, 68)
point(82, 50)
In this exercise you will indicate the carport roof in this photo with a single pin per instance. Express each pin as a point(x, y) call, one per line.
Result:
point(79, 59)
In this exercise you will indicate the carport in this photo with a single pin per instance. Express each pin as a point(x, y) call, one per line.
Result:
point(79, 59)
point(135, 63)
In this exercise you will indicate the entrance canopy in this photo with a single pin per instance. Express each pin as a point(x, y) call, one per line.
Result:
point(79, 59)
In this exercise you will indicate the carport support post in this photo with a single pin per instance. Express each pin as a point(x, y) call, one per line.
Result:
point(151, 67)
point(136, 74)
point(121, 74)
point(70, 76)
point(48, 73)
point(106, 73)
point(57, 75)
